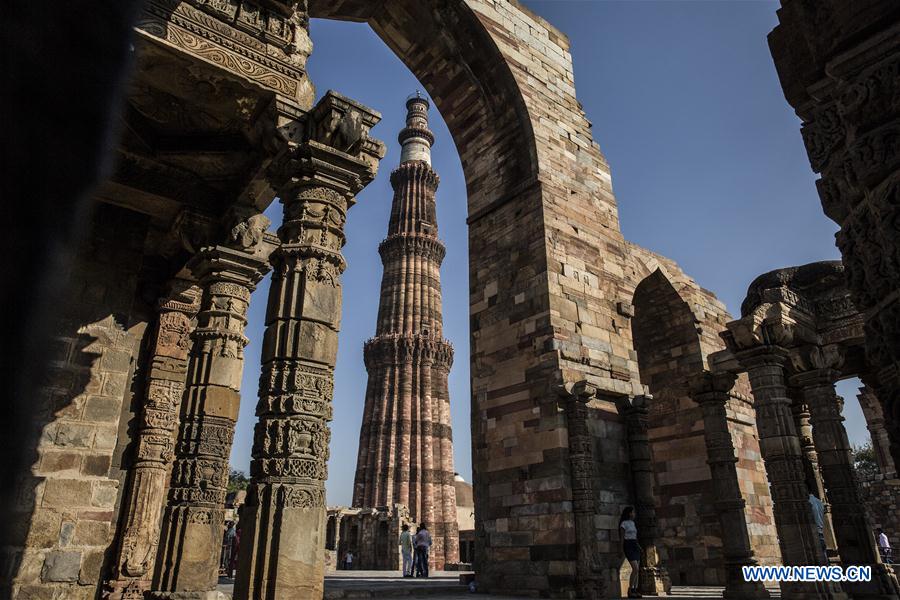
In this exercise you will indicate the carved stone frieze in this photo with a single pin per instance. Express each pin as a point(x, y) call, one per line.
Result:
point(264, 46)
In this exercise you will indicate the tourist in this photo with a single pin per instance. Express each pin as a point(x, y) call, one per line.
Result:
point(818, 512)
point(228, 548)
point(406, 549)
point(235, 550)
point(631, 549)
point(884, 546)
point(422, 543)
point(348, 561)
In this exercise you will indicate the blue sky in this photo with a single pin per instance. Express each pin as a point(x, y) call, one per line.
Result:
point(707, 162)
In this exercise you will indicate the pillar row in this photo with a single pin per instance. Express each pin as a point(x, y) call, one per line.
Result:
point(855, 540)
point(798, 536)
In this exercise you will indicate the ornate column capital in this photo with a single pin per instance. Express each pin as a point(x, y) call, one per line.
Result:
point(815, 365)
point(580, 391)
point(333, 151)
point(711, 386)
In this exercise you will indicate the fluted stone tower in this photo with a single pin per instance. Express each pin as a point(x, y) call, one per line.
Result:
point(405, 442)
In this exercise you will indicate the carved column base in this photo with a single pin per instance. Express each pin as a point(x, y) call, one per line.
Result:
point(736, 588)
point(286, 559)
point(745, 590)
point(213, 595)
point(192, 571)
point(654, 581)
point(126, 589)
point(812, 591)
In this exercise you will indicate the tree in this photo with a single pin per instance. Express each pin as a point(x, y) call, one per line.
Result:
point(237, 480)
point(864, 462)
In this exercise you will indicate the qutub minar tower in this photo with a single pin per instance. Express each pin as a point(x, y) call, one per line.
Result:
point(405, 442)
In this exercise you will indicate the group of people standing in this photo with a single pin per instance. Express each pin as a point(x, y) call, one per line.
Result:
point(414, 549)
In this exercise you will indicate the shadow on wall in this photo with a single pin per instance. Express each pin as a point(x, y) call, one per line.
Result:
point(69, 376)
point(68, 61)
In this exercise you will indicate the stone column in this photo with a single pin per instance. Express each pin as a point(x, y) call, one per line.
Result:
point(802, 423)
point(855, 540)
point(838, 65)
point(653, 578)
point(193, 522)
point(155, 444)
point(589, 573)
point(798, 537)
point(712, 392)
point(881, 444)
point(283, 534)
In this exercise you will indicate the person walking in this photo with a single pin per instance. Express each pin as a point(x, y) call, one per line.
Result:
point(406, 549)
point(884, 546)
point(422, 543)
point(348, 561)
point(631, 549)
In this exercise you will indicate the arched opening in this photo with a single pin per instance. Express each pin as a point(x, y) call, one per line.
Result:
point(667, 343)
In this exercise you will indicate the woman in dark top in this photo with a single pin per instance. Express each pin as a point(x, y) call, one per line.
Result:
point(631, 549)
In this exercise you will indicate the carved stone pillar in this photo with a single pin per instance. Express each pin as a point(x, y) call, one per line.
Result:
point(712, 392)
point(798, 536)
point(155, 443)
point(855, 540)
point(881, 443)
point(282, 547)
point(193, 522)
point(811, 466)
point(653, 577)
point(589, 573)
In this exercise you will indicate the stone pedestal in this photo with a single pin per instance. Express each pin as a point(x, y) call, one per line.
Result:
point(780, 447)
point(194, 518)
point(282, 553)
point(654, 580)
point(855, 540)
point(711, 392)
point(149, 475)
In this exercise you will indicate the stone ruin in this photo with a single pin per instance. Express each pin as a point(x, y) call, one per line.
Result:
point(599, 375)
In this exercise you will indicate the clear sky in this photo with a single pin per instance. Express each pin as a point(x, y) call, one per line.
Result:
point(707, 162)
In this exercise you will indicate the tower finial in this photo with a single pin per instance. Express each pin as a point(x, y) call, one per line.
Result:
point(416, 138)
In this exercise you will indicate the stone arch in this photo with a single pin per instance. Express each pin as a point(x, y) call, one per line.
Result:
point(540, 207)
point(669, 351)
point(449, 49)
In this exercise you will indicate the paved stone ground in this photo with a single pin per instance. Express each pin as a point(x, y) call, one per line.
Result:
point(440, 586)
